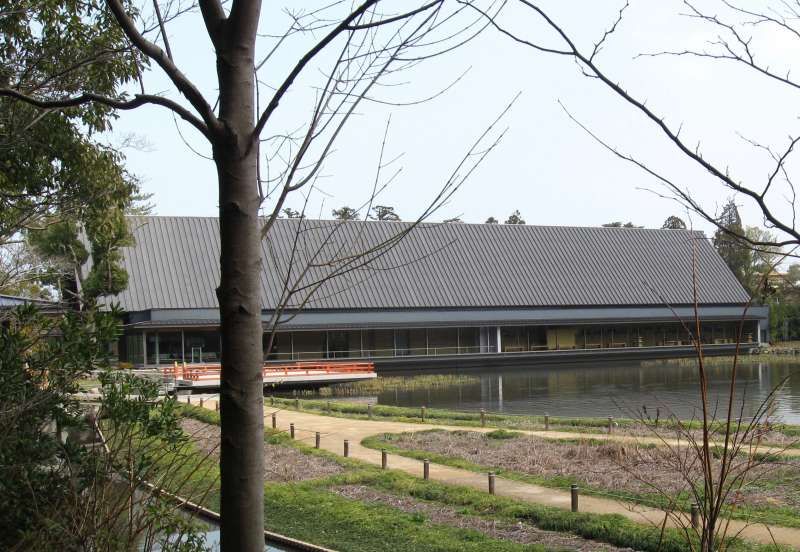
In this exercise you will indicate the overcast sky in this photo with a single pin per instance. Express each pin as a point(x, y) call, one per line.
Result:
point(545, 166)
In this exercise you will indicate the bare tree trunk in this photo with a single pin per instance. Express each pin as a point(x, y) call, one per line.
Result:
point(241, 393)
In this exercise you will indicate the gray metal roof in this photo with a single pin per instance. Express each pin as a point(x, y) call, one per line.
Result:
point(389, 265)
point(12, 301)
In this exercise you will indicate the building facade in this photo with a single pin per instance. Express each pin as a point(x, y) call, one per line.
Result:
point(405, 294)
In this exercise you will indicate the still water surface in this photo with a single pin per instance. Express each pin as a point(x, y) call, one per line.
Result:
point(600, 390)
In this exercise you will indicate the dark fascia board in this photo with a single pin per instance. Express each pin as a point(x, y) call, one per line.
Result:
point(464, 317)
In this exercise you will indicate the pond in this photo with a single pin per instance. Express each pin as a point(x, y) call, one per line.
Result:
point(604, 389)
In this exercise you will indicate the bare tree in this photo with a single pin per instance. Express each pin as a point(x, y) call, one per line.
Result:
point(355, 48)
point(736, 29)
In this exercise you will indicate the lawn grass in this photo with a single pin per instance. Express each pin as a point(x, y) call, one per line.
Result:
point(310, 511)
point(782, 516)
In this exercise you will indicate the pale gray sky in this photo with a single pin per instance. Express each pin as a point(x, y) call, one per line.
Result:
point(545, 166)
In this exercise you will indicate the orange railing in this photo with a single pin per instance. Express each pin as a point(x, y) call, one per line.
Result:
point(195, 372)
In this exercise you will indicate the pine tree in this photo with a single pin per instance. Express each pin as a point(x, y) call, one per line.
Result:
point(728, 245)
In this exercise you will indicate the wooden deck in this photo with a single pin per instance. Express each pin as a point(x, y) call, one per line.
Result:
point(290, 375)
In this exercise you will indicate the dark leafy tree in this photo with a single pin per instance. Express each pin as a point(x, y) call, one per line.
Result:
point(345, 213)
point(735, 254)
point(673, 223)
point(288, 212)
point(454, 220)
point(491, 220)
point(384, 212)
point(619, 224)
point(515, 218)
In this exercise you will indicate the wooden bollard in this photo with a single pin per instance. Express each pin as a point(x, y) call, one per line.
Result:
point(546, 422)
point(574, 495)
point(369, 410)
point(483, 417)
point(272, 400)
point(426, 469)
point(291, 431)
point(384, 459)
point(491, 483)
point(422, 414)
point(188, 399)
point(274, 421)
point(328, 407)
point(201, 402)
point(297, 404)
point(216, 406)
point(316, 440)
point(695, 515)
point(346, 448)
point(610, 423)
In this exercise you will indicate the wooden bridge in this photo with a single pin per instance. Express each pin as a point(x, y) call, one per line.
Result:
point(182, 376)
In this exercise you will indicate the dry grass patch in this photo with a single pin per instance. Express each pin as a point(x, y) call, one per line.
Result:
point(281, 463)
point(609, 466)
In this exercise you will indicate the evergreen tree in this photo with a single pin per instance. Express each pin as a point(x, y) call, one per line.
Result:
point(491, 220)
point(515, 218)
point(735, 254)
point(384, 212)
point(345, 213)
point(291, 213)
point(673, 223)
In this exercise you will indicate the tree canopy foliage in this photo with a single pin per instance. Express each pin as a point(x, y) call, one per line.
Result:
point(56, 180)
point(384, 212)
point(515, 218)
point(673, 223)
point(345, 213)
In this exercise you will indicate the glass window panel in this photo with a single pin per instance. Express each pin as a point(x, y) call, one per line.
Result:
point(344, 344)
point(170, 348)
point(133, 350)
point(443, 341)
point(469, 340)
point(201, 346)
point(379, 343)
point(537, 338)
point(309, 345)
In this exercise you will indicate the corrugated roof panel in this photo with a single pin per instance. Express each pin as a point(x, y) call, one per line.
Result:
point(175, 264)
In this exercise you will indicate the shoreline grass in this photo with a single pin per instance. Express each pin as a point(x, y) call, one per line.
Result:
point(407, 414)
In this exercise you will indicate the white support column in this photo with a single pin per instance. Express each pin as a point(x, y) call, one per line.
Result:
point(144, 349)
point(157, 352)
point(183, 348)
point(499, 341)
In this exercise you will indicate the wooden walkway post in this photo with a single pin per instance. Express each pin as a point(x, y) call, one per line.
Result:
point(574, 495)
point(695, 515)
